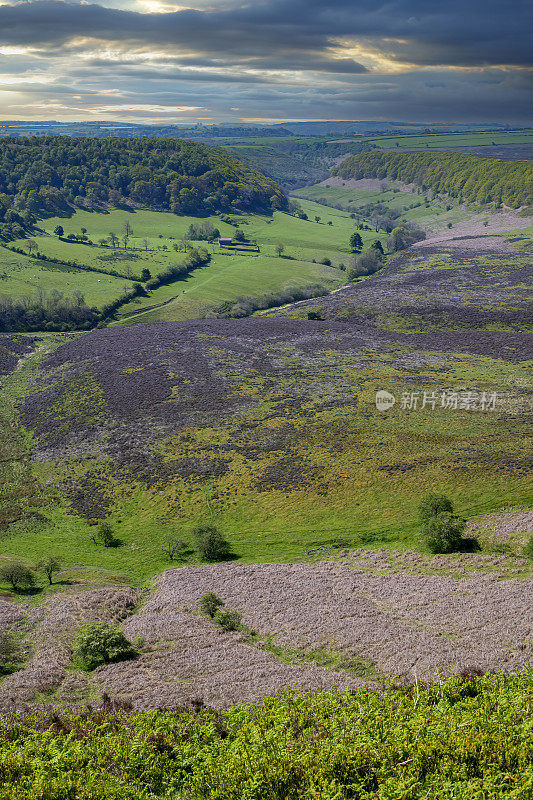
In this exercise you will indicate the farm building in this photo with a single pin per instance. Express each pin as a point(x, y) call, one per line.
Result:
point(238, 246)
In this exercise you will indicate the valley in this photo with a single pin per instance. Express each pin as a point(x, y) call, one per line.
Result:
point(298, 400)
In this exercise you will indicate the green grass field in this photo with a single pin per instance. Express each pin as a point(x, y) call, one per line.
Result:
point(226, 278)
point(21, 276)
point(435, 214)
point(445, 140)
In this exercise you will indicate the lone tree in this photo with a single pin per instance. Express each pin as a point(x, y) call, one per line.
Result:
point(113, 238)
point(378, 246)
point(210, 604)
point(58, 230)
point(99, 643)
point(317, 219)
point(49, 565)
point(210, 543)
point(175, 549)
point(17, 575)
point(279, 248)
point(356, 243)
point(434, 504)
point(145, 274)
point(104, 535)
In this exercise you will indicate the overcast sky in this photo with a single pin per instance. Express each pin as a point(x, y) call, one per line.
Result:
point(267, 60)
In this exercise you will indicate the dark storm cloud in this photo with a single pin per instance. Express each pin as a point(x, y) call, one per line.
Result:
point(277, 59)
point(455, 33)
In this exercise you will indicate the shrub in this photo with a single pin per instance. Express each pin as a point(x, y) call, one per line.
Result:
point(314, 314)
point(104, 535)
point(175, 549)
point(98, 643)
point(210, 543)
point(356, 243)
point(210, 604)
point(404, 236)
point(228, 620)
point(528, 549)
point(10, 653)
point(325, 261)
point(17, 575)
point(444, 533)
point(434, 504)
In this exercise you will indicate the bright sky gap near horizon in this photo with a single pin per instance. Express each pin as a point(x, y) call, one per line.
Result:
point(266, 60)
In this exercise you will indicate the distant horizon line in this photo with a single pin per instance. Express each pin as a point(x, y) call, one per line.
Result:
point(259, 123)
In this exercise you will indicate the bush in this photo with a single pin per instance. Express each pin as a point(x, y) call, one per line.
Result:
point(444, 533)
point(314, 313)
point(104, 535)
point(17, 575)
point(365, 264)
point(434, 504)
point(356, 243)
point(175, 549)
point(10, 653)
point(404, 236)
point(228, 620)
point(210, 604)
point(98, 643)
point(210, 543)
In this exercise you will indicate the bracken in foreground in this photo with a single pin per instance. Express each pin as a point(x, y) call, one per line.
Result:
point(465, 739)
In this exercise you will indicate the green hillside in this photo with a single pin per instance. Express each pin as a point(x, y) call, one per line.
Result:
point(156, 244)
point(51, 174)
point(476, 180)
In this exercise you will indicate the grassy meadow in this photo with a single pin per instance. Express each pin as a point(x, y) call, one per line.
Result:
point(227, 277)
point(448, 141)
point(22, 276)
point(431, 214)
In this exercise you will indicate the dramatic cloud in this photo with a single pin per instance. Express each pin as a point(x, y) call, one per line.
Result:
point(402, 59)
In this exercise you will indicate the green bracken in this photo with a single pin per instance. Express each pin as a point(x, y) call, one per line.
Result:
point(462, 739)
